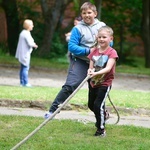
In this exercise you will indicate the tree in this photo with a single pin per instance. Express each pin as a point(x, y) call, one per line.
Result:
point(52, 11)
point(10, 8)
point(124, 16)
point(98, 4)
point(146, 31)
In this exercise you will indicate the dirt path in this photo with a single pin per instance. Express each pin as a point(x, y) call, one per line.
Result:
point(43, 77)
point(82, 116)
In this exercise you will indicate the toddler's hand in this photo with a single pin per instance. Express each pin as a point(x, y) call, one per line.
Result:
point(91, 71)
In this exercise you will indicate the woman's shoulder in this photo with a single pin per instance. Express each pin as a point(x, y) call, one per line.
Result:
point(25, 32)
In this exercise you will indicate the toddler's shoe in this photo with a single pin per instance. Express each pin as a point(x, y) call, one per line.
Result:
point(100, 132)
point(47, 115)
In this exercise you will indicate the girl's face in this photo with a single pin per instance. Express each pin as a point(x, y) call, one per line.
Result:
point(104, 39)
point(88, 16)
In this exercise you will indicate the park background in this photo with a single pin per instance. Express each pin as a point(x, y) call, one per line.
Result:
point(53, 18)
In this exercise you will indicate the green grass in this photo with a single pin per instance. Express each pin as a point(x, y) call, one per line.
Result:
point(60, 63)
point(121, 98)
point(140, 70)
point(135, 64)
point(69, 135)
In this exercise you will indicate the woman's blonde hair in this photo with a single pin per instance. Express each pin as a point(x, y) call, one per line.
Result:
point(88, 5)
point(27, 23)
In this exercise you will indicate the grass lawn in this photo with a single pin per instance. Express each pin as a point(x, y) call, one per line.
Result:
point(121, 98)
point(69, 135)
point(135, 64)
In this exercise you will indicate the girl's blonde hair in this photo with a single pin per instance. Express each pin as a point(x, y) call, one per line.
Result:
point(27, 23)
point(88, 5)
point(107, 29)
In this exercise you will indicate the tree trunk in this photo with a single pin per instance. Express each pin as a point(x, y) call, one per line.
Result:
point(10, 8)
point(98, 4)
point(51, 10)
point(146, 31)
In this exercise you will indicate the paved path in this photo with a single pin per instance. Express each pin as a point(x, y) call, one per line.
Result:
point(42, 77)
point(82, 116)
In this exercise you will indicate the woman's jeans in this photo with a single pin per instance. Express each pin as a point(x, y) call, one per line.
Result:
point(24, 75)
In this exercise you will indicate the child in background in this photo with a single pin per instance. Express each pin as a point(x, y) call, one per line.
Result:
point(102, 69)
point(24, 49)
point(76, 21)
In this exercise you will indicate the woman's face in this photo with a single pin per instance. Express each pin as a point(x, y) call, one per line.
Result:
point(30, 28)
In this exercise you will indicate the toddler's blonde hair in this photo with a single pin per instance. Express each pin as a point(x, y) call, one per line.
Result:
point(107, 29)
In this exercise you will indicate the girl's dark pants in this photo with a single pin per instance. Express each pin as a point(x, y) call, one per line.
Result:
point(77, 72)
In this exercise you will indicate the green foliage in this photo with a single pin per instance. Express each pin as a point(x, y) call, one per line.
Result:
point(125, 19)
point(3, 48)
point(125, 50)
point(59, 46)
point(92, 1)
point(116, 13)
point(69, 135)
point(27, 10)
point(76, 5)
